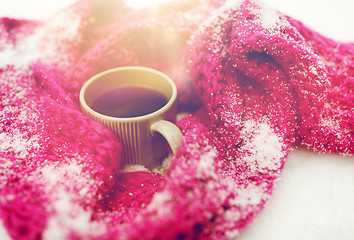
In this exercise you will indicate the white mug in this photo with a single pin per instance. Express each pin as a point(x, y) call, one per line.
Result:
point(143, 135)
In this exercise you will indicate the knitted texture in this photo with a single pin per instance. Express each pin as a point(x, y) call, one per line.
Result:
point(252, 81)
point(293, 82)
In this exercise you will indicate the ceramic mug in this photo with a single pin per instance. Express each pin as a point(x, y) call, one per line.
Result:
point(127, 100)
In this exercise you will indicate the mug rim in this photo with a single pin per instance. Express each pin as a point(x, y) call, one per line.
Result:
point(156, 113)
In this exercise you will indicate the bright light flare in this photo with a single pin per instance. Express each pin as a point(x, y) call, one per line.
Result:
point(140, 4)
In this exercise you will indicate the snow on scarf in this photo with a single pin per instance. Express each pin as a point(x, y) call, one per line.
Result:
point(251, 81)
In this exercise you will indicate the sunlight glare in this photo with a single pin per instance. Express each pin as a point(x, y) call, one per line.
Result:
point(140, 4)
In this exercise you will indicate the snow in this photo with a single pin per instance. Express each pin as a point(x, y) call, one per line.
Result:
point(70, 216)
point(310, 182)
point(264, 146)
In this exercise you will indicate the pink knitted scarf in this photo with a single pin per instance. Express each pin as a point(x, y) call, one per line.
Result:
point(251, 81)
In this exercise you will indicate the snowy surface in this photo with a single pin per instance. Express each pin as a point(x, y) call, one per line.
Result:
point(315, 195)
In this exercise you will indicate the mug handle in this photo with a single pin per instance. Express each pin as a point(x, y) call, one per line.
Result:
point(170, 132)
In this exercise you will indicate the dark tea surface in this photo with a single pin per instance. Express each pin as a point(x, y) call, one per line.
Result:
point(129, 102)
